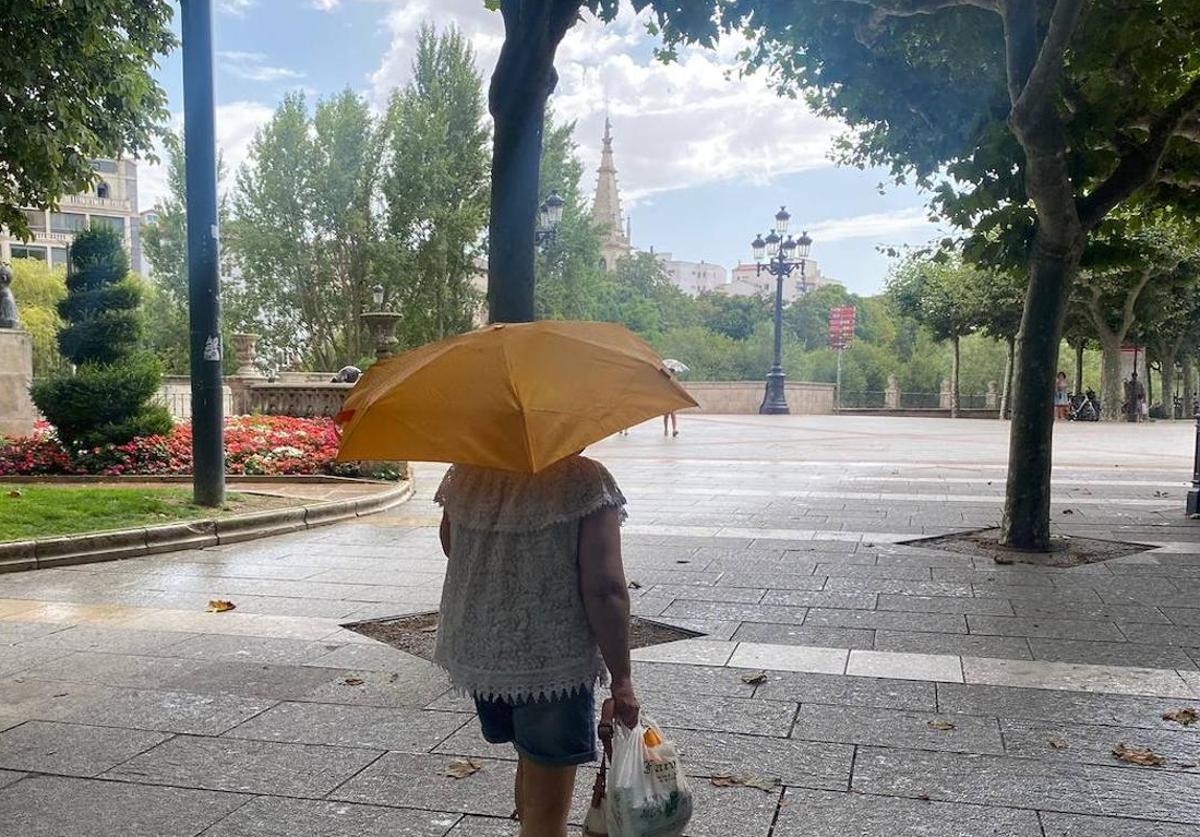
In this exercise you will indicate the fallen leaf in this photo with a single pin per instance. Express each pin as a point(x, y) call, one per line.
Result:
point(1068, 511)
point(941, 724)
point(429, 629)
point(681, 561)
point(729, 780)
point(755, 679)
point(462, 768)
point(352, 681)
point(635, 585)
point(1186, 717)
point(220, 605)
point(16, 492)
point(1058, 744)
point(1138, 755)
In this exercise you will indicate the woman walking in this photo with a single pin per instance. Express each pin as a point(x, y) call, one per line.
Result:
point(535, 609)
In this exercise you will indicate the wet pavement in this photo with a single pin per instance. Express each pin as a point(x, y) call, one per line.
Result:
point(908, 691)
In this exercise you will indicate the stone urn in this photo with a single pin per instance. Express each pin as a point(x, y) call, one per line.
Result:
point(245, 349)
point(382, 327)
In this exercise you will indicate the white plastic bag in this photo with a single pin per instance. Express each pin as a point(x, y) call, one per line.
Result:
point(647, 792)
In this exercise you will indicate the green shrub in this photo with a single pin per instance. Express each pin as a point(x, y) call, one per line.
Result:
point(109, 398)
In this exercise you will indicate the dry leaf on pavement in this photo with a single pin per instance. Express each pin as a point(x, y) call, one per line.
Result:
point(462, 768)
point(1186, 717)
point(728, 780)
point(941, 724)
point(352, 681)
point(1058, 744)
point(220, 605)
point(1138, 755)
point(429, 629)
point(635, 585)
point(755, 679)
point(1068, 511)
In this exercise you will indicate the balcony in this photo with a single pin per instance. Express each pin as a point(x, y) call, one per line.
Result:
point(93, 202)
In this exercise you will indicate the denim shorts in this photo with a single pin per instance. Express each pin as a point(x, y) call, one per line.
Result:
point(559, 732)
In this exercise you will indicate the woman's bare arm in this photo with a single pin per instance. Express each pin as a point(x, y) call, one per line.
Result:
point(444, 533)
point(606, 600)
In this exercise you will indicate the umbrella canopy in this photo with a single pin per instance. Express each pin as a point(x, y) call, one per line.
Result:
point(515, 397)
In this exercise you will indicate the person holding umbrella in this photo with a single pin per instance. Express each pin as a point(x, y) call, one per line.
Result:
point(535, 606)
point(676, 368)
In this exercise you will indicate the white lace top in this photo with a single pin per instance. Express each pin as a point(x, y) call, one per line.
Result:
point(512, 622)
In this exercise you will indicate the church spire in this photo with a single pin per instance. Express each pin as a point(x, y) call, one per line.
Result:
point(606, 205)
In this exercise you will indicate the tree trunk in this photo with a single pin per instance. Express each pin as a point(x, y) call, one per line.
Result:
point(1167, 362)
point(1112, 388)
point(1006, 389)
point(1079, 368)
point(1026, 522)
point(524, 78)
point(954, 367)
point(1189, 385)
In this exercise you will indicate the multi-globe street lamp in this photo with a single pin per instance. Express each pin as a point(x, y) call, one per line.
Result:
point(783, 256)
point(549, 215)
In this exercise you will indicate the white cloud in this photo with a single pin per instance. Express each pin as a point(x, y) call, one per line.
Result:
point(253, 66)
point(900, 223)
point(675, 125)
point(326, 5)
point(237, 8)
point(236, 123)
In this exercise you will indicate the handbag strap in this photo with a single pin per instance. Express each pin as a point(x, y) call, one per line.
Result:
point(604, 731)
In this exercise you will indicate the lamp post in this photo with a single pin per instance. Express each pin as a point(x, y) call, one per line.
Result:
point(549, 215)
point(1193, 498)
point(381, 325)
point(782, 256)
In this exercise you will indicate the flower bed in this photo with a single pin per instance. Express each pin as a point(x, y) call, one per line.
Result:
point(268, 445)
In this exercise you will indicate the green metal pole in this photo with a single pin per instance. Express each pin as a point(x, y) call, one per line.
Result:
point(203, 254)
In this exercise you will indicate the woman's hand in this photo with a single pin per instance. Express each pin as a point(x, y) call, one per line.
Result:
point(625, 703)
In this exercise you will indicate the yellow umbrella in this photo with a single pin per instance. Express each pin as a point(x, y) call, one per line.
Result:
point(516, 397)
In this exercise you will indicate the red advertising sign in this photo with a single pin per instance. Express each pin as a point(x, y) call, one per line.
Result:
point(841, 326)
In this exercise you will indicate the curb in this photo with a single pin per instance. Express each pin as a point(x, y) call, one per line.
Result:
point(69, 550)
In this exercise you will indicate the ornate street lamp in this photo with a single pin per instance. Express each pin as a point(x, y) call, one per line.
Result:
point(1193, 498)
point(782, 256)
point(549, 216)
point(381, 325)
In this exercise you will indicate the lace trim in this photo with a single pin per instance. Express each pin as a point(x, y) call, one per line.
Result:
point(493, 685)
point(507, 501)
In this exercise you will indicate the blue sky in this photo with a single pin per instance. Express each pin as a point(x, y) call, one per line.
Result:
point(705, 160)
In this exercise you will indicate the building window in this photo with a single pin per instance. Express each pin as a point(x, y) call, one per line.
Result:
point(36, 219)
point(110, 222)
point(23, 251)
point(106, 166)
point(102, 190)
point(58, 256)
point(67, 222)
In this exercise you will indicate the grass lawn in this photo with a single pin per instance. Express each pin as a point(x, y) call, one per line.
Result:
point(37, 511)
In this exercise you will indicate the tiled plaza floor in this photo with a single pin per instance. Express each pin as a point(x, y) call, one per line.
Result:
point(908, 691)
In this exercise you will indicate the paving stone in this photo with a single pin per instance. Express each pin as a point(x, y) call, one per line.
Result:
point(374, 656)
point(16, 659)
point(1007, 647)
point(116, 670)
point(871, 571)
point(685, 592)
point(722, 812)
point(485, 827)
point(753, 655)
point(1091, 610)
point(168, 711)
point(895, 728)
point(54, 806)
point(1081, 677)
point(710, 628)
point(948, 623)
point(1027, 783)
point(249, 649)
point(1087, 629)
point(253, 680)
point(1137, 654)
point(689, 679)
point(705, 652)
point(49, 700)
point(905, 666)
point(808, 813)
point(944, 604)
point(412, 689)
point(469, 741)
point(1060, 707)
point(759, 579)
point(1154, 633)
point(71, 749)
point(736, 612)
point(245, 766)
point(14, 631)
point(819, 598)
point(799, 763)
point(1183, 615)
point(848, 691)
point(718, 713)
point(8, 777)
point(110, 641)
point(418, 781)
point(274, 817)
point(1089, 744)
point(1041, 598)
point(350, 726)
point(797, 635)
point(897, 586)
point(1076, 825)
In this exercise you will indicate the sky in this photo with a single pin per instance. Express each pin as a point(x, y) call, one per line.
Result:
point(705, 156)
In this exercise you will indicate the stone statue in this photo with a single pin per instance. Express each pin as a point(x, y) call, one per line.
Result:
point(8, 303)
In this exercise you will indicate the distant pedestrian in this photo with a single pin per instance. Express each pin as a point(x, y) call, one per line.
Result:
point(1060, 397)
point(1136, 408)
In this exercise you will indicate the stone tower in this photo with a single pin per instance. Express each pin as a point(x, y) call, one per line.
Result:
point(606, 207)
